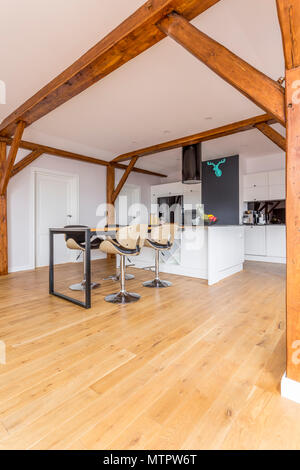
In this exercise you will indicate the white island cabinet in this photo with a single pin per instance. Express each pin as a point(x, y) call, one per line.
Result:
point(211, 253)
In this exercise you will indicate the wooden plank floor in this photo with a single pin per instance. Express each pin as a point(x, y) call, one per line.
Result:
point(188, 367)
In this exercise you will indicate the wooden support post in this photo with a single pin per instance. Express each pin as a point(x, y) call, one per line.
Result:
point(255, 85)
point(273, 135)
point(11, 157)
point(3, 217)
point(289, 19)
point(124, 178)
point(110, 187)
point(293, 222)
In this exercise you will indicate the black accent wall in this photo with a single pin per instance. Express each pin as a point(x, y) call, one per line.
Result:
point(220, 195)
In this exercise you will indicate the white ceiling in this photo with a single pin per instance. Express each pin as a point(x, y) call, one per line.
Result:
point(163, 94)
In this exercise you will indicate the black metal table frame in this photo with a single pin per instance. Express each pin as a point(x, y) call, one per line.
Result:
point(87, 264)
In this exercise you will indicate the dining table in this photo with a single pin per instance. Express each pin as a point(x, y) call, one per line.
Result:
point(89, 232)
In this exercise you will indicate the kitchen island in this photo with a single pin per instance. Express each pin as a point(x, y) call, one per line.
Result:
point(213, 253)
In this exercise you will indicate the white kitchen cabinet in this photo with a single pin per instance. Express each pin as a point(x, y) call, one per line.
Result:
point(276, 185)
point(168, 189)
point(192, 195)
point(276, 191)
point(276, 240)
point(255, 179)
point(258, 193)
point(277, 177)
point(255, 240)
point(256, 187)
point(265, 186)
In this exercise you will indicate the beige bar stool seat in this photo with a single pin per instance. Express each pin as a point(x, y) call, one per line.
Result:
point(128, 242)
point(161, 239)
point(117, 276)
point(76, 241)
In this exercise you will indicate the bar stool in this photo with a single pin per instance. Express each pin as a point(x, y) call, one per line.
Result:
point(161, 239)
point(117, 276)
point(129, 241)
point(75, 241)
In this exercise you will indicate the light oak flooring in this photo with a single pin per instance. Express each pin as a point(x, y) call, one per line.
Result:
point(189, 367)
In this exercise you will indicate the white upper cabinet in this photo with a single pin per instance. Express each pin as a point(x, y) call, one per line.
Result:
point(258, 193)
point(276, 191)
point(255, 179)
point(192, 194)
point(256, 187)
point(277, 177)
point(264, 186)
point(277, 184)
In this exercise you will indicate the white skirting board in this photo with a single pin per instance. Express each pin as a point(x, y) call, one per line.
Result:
point(16, 269)
point(215, 277)
point(266, 259)
point(290, 389)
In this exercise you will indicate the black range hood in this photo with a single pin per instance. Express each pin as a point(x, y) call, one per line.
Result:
point(192, 164)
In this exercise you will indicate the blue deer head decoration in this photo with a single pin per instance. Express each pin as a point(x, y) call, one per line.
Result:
point(216, 169)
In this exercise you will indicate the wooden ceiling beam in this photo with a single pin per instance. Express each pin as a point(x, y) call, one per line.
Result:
point(11, 157)
point(289, 19)
point(55, 151)
point(132, 37)
point(272, 134)
point(223, 131)
point(25, 162)
point(262, 90)
point(139, 170)
point(75, 156)
point(124, 179)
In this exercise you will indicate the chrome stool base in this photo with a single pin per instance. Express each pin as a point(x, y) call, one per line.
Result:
point(157, 283)
point(122, 298)
point(117, 277)
point(81, 286)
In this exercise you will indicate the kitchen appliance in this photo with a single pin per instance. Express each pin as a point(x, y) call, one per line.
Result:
point(261, 218)
point(170, 209)
point(192, 164)
point(249, 218)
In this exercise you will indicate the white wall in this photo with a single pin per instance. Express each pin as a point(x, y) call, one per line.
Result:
point(92, 192)
point(145, 182)
point(265, 163)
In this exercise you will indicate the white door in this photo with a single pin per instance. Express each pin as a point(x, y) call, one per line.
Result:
point(56, 205)
point(128, 207)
